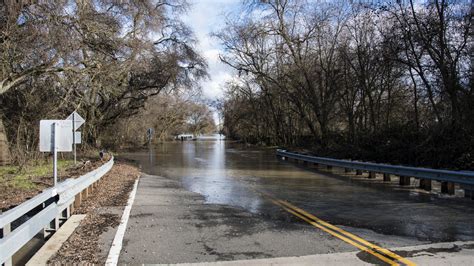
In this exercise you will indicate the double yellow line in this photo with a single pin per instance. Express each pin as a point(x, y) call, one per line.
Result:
point(362, 244)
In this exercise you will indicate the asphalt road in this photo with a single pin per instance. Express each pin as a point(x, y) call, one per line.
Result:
point(215, 202)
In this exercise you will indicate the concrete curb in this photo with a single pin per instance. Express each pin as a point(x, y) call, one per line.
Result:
point(56, 241)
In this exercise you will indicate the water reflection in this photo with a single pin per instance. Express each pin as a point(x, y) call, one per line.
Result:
point(210, 177)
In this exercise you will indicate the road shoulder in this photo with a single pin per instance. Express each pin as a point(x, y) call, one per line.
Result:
point(91, 241)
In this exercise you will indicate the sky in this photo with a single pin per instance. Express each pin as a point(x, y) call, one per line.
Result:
point(205, 17)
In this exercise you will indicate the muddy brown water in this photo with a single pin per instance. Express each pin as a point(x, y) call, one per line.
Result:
point(231, 174)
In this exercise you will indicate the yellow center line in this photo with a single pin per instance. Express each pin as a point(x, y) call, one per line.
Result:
point(350, 235)
point(379, 252)
point(383, 258)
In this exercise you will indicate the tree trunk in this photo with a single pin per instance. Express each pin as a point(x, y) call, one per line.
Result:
point(5, 157)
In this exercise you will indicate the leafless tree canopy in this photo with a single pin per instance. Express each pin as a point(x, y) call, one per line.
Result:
point(104, 58)
point(385, 81)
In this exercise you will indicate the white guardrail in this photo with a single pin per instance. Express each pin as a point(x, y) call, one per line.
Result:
point(48, 208)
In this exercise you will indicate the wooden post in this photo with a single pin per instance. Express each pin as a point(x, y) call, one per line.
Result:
point(358, 172)
point(447, 188)
point(372, 175)
point(78, 200)
point(386, 178)
point(469, 193)
point(425, 184)
point(86, 193)
point(329, 167)
point(347, 170)
point(404, 180)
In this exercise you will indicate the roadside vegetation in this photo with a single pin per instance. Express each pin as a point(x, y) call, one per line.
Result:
point(22, 178)
point(383, 81)
point(19, 183)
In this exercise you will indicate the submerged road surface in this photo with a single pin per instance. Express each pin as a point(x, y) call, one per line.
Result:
point(217, 201)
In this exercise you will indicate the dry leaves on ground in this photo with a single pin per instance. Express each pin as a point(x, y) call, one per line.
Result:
point(82, 246)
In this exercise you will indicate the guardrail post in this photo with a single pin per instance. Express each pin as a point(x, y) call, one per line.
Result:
point(468, 191)
point(404, 180)
point(4, 232)
point(371, 175)
point(316, 165)
point(329, 167)
point(66, 213)
point(387, 178)
point(447, 188)
point(347, 170)
point(53, 226)
point(425, 184)
point(358, 172)
point(78, 200)
point(85, 193)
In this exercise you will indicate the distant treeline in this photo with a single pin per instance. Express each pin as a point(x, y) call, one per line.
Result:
point(390, 81)
point(168, 115)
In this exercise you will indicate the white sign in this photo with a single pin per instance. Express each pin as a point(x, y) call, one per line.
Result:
point(77, 137)
point(63, 135)
point(76, 119)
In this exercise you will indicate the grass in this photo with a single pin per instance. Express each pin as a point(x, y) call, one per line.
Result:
point(13, 177)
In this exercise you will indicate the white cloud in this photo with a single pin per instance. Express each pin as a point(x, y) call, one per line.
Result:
point(206, 17)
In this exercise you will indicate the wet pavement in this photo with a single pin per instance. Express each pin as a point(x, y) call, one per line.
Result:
point(206, 194)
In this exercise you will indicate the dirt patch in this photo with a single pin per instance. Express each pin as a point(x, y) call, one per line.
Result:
point(82, 247)
point(12, 196)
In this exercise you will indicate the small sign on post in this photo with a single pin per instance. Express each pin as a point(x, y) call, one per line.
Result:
point(55, 137)
point(77, 122)
point(77, 137)
point(149, 135)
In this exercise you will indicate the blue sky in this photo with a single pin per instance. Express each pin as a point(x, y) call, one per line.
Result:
point(205, 17)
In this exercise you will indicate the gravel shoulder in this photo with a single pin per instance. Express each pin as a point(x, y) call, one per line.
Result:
point(103, 209)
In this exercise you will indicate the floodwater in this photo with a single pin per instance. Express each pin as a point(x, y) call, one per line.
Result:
point(231, 174)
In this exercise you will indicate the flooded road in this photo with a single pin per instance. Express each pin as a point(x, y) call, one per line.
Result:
point(229, 174)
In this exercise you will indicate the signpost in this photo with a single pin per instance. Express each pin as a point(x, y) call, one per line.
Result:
point(149, 135)
point(77, 122)
point(55, 137)
point(60, 136)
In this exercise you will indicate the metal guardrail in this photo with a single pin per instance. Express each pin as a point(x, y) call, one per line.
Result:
point(459, 177)
point(52, 202)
